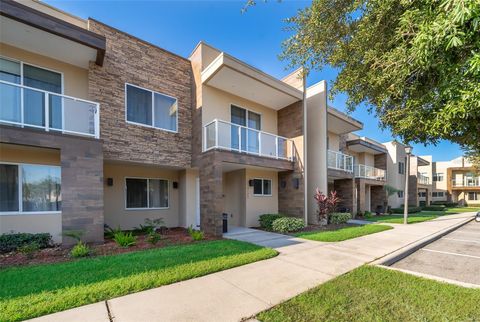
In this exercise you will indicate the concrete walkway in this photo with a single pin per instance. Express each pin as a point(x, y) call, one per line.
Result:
point(241, 292)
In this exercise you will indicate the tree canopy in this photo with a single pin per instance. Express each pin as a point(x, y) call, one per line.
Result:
point(415, 63)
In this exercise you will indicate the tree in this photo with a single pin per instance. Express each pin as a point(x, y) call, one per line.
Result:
point(415, 63)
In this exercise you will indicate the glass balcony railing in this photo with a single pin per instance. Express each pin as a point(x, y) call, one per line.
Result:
point(233, 137)
point(369, 172)
point(466, 182)
point(340, 161)
point(30, 107)
point(422, 179)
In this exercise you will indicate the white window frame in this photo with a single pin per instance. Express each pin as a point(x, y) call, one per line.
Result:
point(246, 115)
point(148, 194)
point(402, 167)
point(400, 192)
point(153, 109)
point(475, 194)
point(20, 191)
point(436, 175)
point(262, 194)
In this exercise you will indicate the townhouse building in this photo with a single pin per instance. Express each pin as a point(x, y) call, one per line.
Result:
point(100, 127)
point(456, 181)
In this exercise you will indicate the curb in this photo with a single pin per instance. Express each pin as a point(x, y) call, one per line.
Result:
point(401, 253)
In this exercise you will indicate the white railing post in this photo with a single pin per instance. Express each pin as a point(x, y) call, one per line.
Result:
point(97, 121)
point(276, 147)
point(239, 137)
point(216, 133)
point(47, 107)
point(259, 143)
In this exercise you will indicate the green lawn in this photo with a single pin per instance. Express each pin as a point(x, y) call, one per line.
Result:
point(421, 216)
point(342, 234)
point(377, 294)
point(457, 210)
point(31, 291)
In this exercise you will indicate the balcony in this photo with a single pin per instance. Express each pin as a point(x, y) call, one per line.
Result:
point(369, 172)
point(340, 161)
point(422, 179)
point(30, 107)
point(466, 182)
point(233, 137)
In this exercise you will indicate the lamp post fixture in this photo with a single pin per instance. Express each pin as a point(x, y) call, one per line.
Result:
point(408, 151)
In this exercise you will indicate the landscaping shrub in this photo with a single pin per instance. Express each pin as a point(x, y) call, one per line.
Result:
point(195, 234)
point(411, 210)
point(367, 214)
point(11, 242)
point(287, 224)
point(153, 237)
point(109, 232)
point(29, 249)
point(434, 208)
point(266, 220)
point(445, 203)
point(340, 217)
point(80, 250)
point(150, 225)
point(125, 239)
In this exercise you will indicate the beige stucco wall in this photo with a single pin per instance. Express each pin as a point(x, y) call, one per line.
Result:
point(34, 223)
point(258, 205)
point(216, 105)
point(114, 196)
point(396, 153)
point(75, 79)
point(27, 154)
point(55, 12)
point(187, 195)
point(31, 223)
point(333, 141)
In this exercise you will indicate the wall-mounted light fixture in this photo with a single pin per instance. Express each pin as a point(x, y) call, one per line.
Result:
point(109, 182)
point(250, 183)
point(175, 185)
point(296, 183)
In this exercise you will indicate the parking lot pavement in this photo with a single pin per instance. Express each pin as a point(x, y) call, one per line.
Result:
point(455, 256)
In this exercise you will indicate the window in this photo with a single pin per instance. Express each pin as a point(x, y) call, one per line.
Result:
point(251, 124)
point(401, 167)
point(30, 188)
point(13, 100)
point(438, 176)
point(151, 108)
point(262, 187)
point(143, 193)
point(422, 194)
point(473, 196)
point(400, 194)
point(438, 194)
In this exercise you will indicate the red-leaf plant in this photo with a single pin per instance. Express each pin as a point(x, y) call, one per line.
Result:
point(326, 204)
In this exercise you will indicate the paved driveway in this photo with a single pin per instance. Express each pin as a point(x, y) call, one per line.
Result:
point(455, 256)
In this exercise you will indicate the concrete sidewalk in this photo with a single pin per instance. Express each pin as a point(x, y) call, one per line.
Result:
point(242, 292)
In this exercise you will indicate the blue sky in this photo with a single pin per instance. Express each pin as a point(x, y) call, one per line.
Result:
point(254, 37)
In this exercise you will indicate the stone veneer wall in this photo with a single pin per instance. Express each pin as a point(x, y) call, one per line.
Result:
point(291, 200)
point(380, 161)
point(211, 183)
point(81, 162)
point(345, 189)
point(378, 198)
point(131, 60)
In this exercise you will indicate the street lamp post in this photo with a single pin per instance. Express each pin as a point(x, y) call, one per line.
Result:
point(408, 151)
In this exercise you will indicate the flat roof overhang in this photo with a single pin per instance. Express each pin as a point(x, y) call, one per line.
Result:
point(35, 31)
point(362, 146)
point(235, 77)
point(422, 162)
point(341, 123)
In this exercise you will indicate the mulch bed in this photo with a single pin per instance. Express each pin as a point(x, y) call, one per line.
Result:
point(56, 254)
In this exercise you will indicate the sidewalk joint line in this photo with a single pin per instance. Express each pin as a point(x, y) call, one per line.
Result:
point(110, 317)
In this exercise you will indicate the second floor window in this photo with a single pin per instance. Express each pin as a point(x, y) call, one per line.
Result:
point(150, 108)
point(438, 176)
point(401, 167)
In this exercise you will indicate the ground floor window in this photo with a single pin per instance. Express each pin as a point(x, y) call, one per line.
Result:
point(262, 187)
point(473, 196)
point(146, 193)
point(30, 188)
point(438, 194)
point(422, 194)
point(400, 194)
